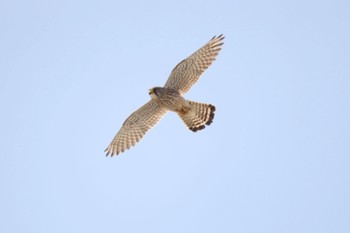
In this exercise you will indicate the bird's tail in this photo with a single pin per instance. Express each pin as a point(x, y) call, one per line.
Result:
point(198, 116)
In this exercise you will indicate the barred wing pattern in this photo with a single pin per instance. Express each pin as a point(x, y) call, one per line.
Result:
point(135, 127)
point(187, 72)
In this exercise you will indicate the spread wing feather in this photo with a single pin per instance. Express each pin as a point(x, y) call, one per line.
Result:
point(187, 72)
point(135, 127)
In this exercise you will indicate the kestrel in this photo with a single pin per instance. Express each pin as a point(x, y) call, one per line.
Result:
point(170, 98)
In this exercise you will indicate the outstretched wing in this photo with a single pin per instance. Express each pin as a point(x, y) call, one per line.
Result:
point(187, 72)
point(135, 127)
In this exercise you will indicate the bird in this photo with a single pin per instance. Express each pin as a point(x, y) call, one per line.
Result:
point(195, 115)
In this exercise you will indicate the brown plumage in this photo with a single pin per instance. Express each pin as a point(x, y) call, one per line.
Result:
point(169, 98)
point(198, 116)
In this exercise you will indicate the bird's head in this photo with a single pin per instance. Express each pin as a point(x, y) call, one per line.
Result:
point(154, 92)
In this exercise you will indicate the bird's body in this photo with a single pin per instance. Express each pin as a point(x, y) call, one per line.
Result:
point(195, 115)
point(170, 98)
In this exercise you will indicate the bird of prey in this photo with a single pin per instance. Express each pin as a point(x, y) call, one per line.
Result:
point(170, 98)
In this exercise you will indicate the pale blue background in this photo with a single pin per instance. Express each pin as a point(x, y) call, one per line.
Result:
point(276, 158)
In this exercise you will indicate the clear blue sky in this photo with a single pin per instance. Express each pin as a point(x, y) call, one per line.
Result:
point(275, 159)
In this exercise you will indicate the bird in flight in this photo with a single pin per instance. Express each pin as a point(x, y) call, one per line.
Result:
point(170, 98)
